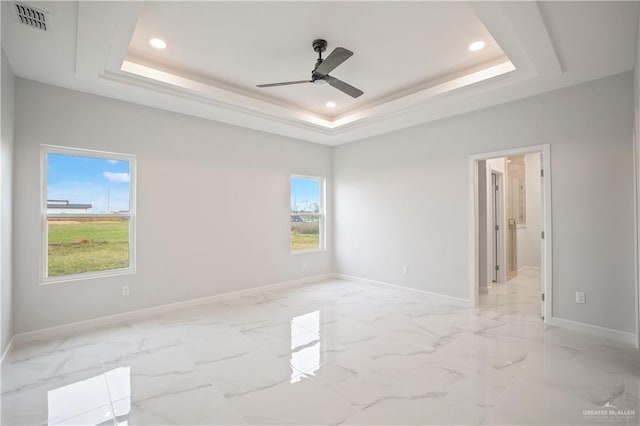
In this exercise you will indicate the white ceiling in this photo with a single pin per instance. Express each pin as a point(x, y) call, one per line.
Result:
point(397, 46)
point(411, 59)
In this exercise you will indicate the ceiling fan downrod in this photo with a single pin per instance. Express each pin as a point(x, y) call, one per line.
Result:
point(319, 46)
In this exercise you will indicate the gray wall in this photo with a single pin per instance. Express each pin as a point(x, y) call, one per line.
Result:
point(400, 198)
point(212, 205)
point(403, 198)
point(6, 173)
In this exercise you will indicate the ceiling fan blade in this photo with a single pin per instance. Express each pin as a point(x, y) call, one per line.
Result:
point(344, 87)
point(331, 62)
point(287, 83)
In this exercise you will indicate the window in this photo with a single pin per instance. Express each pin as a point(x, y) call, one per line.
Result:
point(307, 213)
point(88, 213)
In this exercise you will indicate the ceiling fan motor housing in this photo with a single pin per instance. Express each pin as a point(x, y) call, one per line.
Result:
point(319, 45)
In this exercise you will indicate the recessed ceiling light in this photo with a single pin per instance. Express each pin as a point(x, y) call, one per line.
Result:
point(476, 45)
point(158, 43)
point(330, 104)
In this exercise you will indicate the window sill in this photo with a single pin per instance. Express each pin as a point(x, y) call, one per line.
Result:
point(86, 276)
point(307, 251)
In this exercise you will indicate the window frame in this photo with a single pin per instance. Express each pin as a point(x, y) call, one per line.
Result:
point(45, 150)
point(321, 213)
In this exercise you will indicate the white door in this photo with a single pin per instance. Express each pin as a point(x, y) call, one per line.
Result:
point(496, 226)
point(542, 257)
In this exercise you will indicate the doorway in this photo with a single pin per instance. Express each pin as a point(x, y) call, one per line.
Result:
point(511, 231)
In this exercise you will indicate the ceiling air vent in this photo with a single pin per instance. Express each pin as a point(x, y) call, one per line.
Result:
point(31, 17)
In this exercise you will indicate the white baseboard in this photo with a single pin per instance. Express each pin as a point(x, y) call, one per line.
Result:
point(594, 330)
point(445, 298)
point(65, 329)
point(524, 268)
point(7, 351)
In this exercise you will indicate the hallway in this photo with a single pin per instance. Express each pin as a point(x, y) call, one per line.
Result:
point(517, 299)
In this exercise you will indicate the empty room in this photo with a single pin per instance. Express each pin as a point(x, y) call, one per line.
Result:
point(319, 213)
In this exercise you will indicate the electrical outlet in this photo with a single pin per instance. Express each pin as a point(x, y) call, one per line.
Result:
point(405, 269)
point(125, 290)
point(580, 297)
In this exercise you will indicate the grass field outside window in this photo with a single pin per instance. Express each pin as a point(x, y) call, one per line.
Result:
point(79, 245)
point(305, 234)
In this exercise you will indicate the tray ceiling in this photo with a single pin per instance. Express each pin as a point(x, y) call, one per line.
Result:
point(397, 47)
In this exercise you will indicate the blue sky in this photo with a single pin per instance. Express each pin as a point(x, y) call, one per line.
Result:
point(88, 180)
point(305, 193)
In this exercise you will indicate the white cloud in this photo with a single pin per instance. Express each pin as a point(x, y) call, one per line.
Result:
point(113, 161)
point(116, 177)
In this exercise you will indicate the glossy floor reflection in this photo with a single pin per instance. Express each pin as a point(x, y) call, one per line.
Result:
point(336, 352)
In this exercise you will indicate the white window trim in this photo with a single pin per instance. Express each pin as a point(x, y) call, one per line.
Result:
point(51, 149)
point(322, 213)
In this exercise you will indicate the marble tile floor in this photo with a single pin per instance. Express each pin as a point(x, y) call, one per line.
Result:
point(520, 295)
point(334, 352)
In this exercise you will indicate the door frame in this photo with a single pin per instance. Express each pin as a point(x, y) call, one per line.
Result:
point(546, 242)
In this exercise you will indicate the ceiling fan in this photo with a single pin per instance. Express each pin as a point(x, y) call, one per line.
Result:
point(320, 73)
